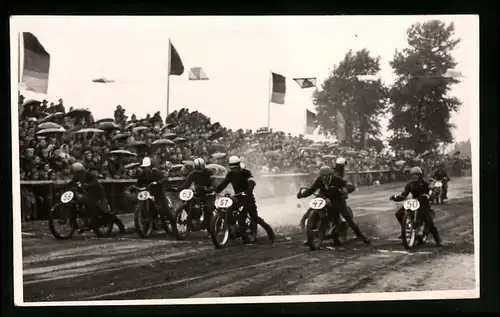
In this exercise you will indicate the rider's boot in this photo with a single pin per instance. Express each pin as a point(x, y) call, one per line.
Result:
point(437, 238)
point(269, 230)
point(336, 241)
point(361, 236)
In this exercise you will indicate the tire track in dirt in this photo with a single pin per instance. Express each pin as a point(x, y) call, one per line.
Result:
point(167, 269)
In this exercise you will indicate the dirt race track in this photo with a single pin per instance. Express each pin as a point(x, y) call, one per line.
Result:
point(127, 267)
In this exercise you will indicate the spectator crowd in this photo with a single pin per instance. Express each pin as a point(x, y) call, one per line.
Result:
point(52, 137)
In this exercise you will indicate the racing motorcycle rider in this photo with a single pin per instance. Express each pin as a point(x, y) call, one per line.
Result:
point(333, 189)
point(419, 189)
point(440, 174)
point(95, 196)
point(202, 178)
point(339, 170)
point(242, 181)
point(149, 175)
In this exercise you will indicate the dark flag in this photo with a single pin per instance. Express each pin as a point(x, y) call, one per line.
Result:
point(306, 82)
point(279, 89)
point(36, 65)
point(311, 122)
point(176, 66)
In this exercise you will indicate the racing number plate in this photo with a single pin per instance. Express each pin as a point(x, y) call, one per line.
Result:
point(186, 194)
point(317, 203)
point(224, 202)
point(411, 204)
point(438, 184)
point(67, 197)
point(143, 195)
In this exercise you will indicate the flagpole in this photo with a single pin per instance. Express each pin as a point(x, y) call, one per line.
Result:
point(168, 77)
point(269, 100)
point(305, 124)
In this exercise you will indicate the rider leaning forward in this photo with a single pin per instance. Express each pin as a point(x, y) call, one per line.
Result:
point(150, 175)
point(202, 178)
point(242, 181)
point(333, 189)
point(419, 189)
point(440, 174)
point(94, 196)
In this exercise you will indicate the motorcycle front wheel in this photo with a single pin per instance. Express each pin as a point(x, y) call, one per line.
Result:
point(143, 219)
point(219, 231)
point(315, 231)
point(63, 215)
point(409, 232)
point(183, 224)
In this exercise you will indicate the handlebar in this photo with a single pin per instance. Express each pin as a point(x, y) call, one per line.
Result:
point(240, 194)
point(143, 188)
point(305, 188)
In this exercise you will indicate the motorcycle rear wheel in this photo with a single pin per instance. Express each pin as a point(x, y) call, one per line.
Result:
point(108, 228)
point(250, 234)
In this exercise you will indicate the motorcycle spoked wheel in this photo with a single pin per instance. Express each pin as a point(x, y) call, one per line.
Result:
point(315, 231)
point(409, 232)
point(219, 231)
point(68, 211)
point(183, 224)
point(143, 219)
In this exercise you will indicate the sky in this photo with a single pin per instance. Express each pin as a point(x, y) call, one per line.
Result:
point(236, 53)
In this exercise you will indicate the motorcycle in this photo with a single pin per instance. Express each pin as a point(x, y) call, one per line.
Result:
point(192, 215)
point(414, 230)
point(74, 214)
point(436, 191)
point(225, 223)
point(147, 213)
point(319, 226)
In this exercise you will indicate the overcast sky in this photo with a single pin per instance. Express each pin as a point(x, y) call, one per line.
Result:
point(237, 54)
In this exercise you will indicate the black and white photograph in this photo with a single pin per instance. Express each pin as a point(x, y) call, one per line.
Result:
point(244, 159)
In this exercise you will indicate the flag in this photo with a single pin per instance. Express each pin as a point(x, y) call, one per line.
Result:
point(36, 65)
point(311, 122)
point(176, 66)
point(341, 133)
point(306, 82)
point(197, 73)
point(102, 80)
point(279, 89)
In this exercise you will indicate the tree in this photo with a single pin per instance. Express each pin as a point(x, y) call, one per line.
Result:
point(361, 103)
point(421, 109)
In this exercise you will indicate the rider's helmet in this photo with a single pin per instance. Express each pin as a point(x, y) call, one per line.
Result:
point(326, 173)
point(340, 166)
point(146, 162)
point(416, 173)
point(234, 162)
point(77, 167)
point(199, 163)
